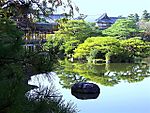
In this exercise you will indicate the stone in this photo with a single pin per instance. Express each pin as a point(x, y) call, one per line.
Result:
point(85, 90)
point(85, 96)
point(85, 87)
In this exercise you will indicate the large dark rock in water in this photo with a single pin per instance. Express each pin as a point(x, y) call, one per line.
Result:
point(84, 90)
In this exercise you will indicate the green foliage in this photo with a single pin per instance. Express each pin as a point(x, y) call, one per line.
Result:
point(145, 16)
point(70, 34)
point(77, 28)
point(16, 66)
point(134, 17)
point(10, 39)
point(22, 8)
point(135, 47)
point(122, 28)
point(96, 47)
point(104, 74)
point(112, 49)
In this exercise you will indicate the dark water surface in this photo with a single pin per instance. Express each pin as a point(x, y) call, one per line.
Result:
point(124, 88)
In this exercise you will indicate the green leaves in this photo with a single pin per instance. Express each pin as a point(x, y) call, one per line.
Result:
point(102, 44)
point(123, 28)
point(71, 33)
point(16, 67)
point(136, 47)
point(10, 39)
point(112, 49)
point(145, 15)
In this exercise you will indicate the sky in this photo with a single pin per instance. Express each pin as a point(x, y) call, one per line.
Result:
point(112, 7)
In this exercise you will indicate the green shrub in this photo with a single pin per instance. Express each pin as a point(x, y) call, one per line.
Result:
point(111, 49)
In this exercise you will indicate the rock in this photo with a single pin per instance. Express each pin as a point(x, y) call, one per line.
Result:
point(84, 96)
point(84, 90)
point(84, 87)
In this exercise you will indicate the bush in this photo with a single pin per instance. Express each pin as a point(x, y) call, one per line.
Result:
point(112, 50)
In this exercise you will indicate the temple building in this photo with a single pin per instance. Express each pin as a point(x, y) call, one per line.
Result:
point(103, 22)
point(36, 32)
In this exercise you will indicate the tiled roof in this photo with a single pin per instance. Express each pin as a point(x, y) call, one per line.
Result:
point(53, 16)
point(114, 19)
point(104, 18)
point(57, 16)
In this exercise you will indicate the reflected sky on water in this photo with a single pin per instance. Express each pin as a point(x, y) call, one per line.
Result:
point(123, 97)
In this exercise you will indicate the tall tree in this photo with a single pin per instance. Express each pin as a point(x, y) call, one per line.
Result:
point(17, 65)
point(71, 33)
point(29, 10)
point(44, 6)
point(131, 16)
point(145, 15)
point(134, 17)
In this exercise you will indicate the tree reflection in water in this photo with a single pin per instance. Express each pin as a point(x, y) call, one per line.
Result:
point(48, 95)
point(41, 100)
point(105, 74)
point(16, 66)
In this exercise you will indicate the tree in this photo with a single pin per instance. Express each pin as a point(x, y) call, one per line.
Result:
point(122, 28)
point(110, 49)
point(145, 15)
point(131, 16)
point(34, 6)
point(10, 36)
point(134, 17)
point(145, 30)
point(135, 47)
point(17, 65)
point(27, 12)
point(70, 34)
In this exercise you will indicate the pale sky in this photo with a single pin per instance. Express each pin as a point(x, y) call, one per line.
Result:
point(112, 7)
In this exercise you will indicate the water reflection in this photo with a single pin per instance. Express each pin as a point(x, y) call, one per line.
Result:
point(83, 96)
point(15, 96)
point(46, 92)
point(124, 95)
point(45, 89)
point(105, 74)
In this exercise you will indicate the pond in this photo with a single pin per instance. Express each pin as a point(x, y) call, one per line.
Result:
point(124, 88)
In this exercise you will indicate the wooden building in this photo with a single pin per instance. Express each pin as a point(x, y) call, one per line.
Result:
point(36, 32)
point(103, 22)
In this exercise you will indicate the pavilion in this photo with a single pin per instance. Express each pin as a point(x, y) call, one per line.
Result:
point(103, 22)
point(36, 32)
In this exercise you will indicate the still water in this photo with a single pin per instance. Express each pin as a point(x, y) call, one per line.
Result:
point(124, 88)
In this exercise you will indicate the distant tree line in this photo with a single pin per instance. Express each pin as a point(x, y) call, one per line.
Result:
point(82, 40)
point(145, 16)
point(143, 23)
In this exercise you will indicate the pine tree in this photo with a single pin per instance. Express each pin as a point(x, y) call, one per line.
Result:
point(145, 15)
